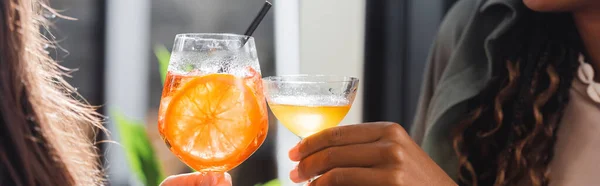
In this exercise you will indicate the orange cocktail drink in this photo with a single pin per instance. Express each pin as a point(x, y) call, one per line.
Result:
point(213, 114)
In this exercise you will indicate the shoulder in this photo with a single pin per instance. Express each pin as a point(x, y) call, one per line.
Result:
point(456, 20)
point(466, 29)
point(451, 32)
point(460, 56)
point(484, 14)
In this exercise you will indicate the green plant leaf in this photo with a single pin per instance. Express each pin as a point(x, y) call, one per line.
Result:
point(138, 149)
point(274, 182)
point(163, 55)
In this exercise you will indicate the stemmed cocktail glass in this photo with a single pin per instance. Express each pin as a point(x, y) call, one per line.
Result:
point(213, 114)
point(307, 104)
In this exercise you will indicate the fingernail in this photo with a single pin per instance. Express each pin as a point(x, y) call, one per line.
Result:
point(228, 177)
point(295, 153)
point(294, 175)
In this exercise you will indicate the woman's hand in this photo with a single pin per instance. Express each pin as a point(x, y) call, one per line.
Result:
point(366, 154)
point(198, 179)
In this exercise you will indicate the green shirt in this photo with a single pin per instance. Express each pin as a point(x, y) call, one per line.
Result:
point(459, 66)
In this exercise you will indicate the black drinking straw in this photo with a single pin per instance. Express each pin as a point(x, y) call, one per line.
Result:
point(257, 20)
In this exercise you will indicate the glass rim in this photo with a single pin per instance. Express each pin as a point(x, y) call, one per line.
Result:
point(337, 79)
point(213, 36)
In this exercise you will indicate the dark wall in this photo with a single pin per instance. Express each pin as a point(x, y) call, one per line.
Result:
point(398, 37)
point(82, 43)
point(385, 53)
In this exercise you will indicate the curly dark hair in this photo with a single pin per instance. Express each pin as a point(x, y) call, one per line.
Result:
point(509, 135)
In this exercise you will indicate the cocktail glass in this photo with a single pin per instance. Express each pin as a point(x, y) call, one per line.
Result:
point(213, 114)
point(307, 104)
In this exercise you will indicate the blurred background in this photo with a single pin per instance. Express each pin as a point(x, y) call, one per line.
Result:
point(116, 46)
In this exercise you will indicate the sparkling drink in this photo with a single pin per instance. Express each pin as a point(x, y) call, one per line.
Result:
point(305, 120)
point(307, 104)
point(213, 114)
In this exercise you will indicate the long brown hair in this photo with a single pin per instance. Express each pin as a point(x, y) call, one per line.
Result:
point(509, 135)
point(43, 123)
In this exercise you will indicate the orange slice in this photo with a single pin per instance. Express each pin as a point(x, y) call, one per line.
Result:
point(209, 121)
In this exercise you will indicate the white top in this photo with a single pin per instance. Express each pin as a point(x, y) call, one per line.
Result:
point(576, 158)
